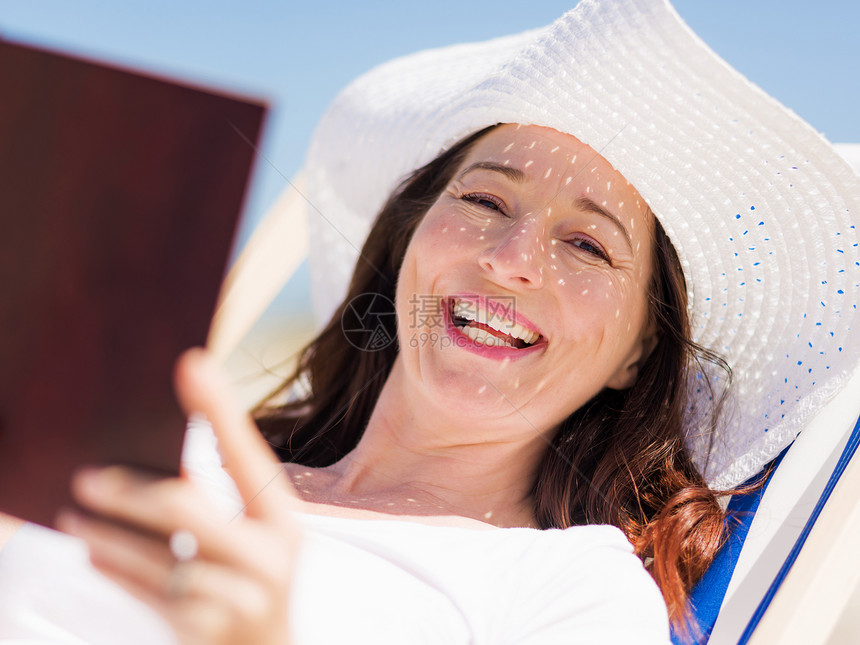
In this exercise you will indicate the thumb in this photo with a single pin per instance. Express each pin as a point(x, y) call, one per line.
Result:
point(262, 482)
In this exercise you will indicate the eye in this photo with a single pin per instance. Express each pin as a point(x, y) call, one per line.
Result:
point(590, 246)
point(485, 201)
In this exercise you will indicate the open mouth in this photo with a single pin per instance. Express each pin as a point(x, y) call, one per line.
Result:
point(489, 328)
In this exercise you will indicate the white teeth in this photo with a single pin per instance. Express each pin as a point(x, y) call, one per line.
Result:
point(471, 311)
point(518, 331)
point(483, 337)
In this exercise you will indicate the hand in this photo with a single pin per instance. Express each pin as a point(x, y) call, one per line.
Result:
point(236, 588)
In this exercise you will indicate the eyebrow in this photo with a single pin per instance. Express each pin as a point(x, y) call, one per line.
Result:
point(582, 203)
point(586, 204)
point(514, 174)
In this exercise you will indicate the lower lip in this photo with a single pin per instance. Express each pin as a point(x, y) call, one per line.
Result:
point(496, 352)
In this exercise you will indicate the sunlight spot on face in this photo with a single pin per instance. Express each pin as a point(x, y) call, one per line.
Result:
point(482, 389)
point(547, 173)
point(554, 242)
point(588, 189)
point(561, 282)
point(584, 292)
point(555, 149)
point(390, 504)
point(552, 255)
point(508, 147)
point(462, 228)
point(444, 229)
point(534, 143)
point(488, 515)
point(553, 267)
point(604, 203)
point(632, 224)
point(409, 499)
point(506, 162)
point(529, 163)
point(620, 204)
point(592, 226)
point(594, 169)
point(567, 180)
point(481, 237)
point(617, 314)
point(608, 185)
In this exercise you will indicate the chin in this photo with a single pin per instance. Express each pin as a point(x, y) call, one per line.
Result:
point(467, 394)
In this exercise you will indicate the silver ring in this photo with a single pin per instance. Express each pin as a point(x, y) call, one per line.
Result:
point(183, 545)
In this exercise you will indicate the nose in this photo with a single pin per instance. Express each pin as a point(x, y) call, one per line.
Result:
point(515, 257)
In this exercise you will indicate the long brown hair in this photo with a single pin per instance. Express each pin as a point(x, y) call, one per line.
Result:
point(627, 447)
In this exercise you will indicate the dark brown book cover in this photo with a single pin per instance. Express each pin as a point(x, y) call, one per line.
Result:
point(119, 195)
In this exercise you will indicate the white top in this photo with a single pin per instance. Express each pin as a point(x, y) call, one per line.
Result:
point(365, 580)
point(404, 582)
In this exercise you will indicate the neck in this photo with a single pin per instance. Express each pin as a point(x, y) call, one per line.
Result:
point(421, 457)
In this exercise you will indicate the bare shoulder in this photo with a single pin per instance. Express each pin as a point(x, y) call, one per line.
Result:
point(9, 525)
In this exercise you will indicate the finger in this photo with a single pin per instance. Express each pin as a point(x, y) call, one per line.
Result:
point(148, 562)
point(141, 559)
point(259, 476)
point(206, 602)
point(163, 506)
point(194, 616)
point(221, 605)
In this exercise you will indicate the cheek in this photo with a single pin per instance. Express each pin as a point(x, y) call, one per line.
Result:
point(446, 231)
point(606, 304)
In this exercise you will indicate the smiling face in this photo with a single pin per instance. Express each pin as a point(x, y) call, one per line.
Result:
point(524, 290)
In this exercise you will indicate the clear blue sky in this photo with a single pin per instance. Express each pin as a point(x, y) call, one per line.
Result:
point(298, 54)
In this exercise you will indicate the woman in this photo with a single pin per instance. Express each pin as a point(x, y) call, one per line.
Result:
point(619, 132)
point(458, 429)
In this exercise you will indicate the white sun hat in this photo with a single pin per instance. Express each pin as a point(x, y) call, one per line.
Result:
point(759, 206)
